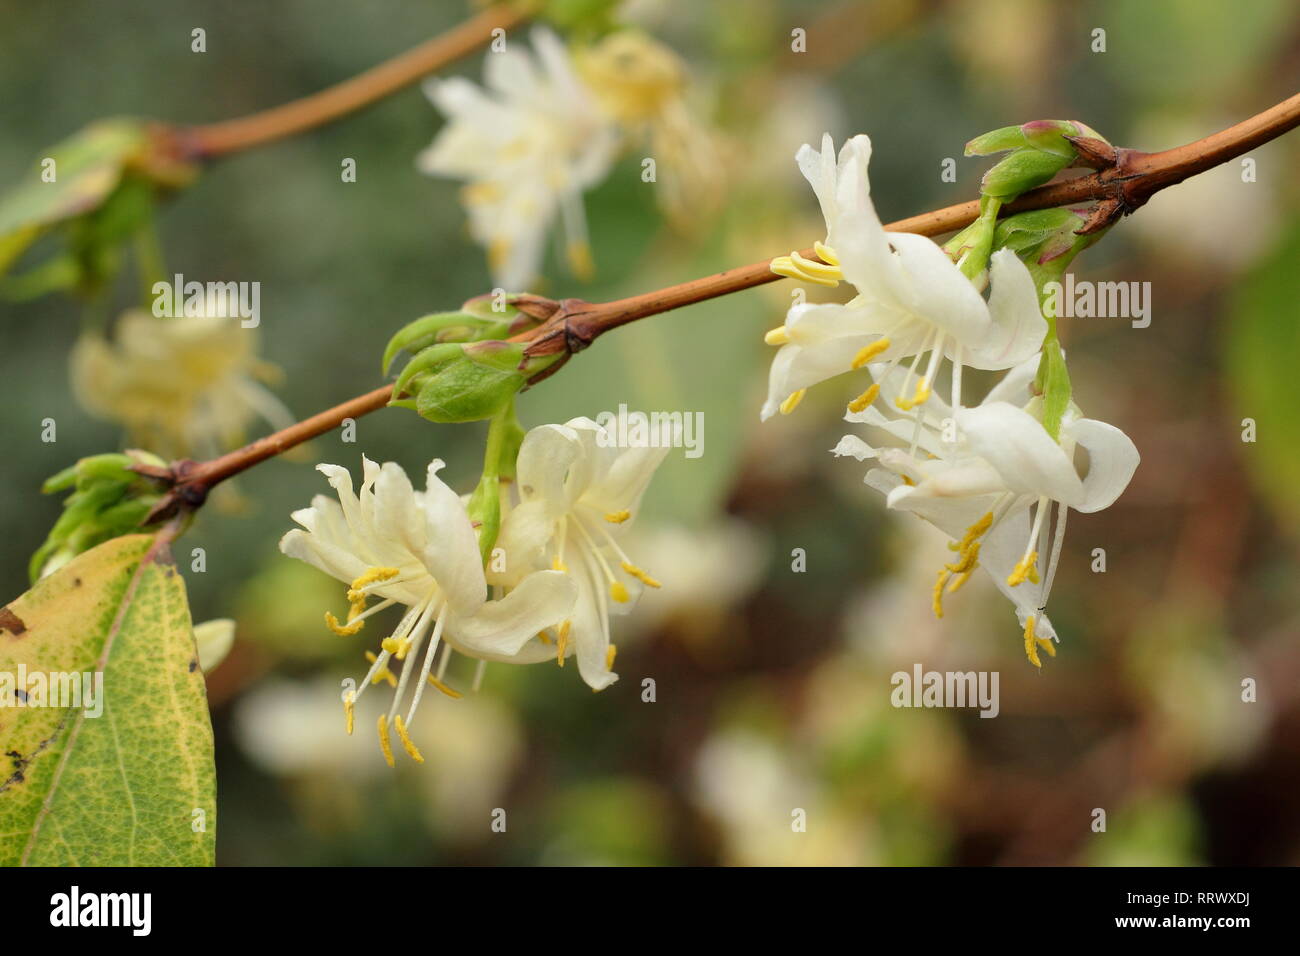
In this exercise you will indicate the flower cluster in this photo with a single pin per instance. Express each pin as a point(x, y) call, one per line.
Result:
point(546, 127)
point(989, 475)
point(549, 589)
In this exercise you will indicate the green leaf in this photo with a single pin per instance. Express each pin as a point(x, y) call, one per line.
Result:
point(128, 787)
point(88, 167)
point(1056, 387)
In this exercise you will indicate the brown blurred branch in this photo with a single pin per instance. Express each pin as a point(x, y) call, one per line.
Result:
point(232, 136)
point(570, 325)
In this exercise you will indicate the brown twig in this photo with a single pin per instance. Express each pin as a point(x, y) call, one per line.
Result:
point(571, 324)
point(232, 136)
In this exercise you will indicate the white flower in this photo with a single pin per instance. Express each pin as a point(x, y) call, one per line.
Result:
point(183, 386)
point(527, 144)
point(419, 550)
point(578, 495)
point(912, 299)
point(981, 488)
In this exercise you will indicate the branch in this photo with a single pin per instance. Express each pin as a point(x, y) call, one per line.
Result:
point(1129, 178)
point(232, 136)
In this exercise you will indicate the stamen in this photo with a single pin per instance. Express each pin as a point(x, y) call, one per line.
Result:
point(777, 336)
point(411, 749)
point(958, 581)
point(349, 708)
point(618, 517)
point(382, 673)
point(333, 624)
point(545, 638)
point(373, 576)
point(398, 648)
point(558, 565)
point(618, 591)
point(479, 670)
point(384, 745)
point(795, 266)
point(791, 403)
point(449, 691)
point(610, 653)
point(937, 600)
point(865, 399)
point(1024, 569)
point(562, 644)
point(826, 253)
point(640, 575)
point(868, 352)
point(1031, 643)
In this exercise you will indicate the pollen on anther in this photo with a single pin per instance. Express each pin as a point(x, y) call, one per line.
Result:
point(409, 744)
point(384, 743)
point(792, 402)
point(618, 517)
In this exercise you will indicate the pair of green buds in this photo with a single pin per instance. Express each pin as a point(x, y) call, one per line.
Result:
point(463, 366)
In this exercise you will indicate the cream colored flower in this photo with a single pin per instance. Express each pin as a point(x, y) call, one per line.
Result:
point(181, 387)
point(418, 550)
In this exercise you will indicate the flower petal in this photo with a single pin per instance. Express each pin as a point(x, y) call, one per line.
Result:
point(1018, 326)
point(1112, 459)
point(452, 554)
point(1016, 444)
point(498, 630)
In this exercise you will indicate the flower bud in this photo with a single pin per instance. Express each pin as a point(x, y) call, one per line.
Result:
point(1038, 151)
point(108, 499)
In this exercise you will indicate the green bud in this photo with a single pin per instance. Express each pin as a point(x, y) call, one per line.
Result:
point(444, 327)
point(476, 385)
point(1020, 171)
point(108, 499)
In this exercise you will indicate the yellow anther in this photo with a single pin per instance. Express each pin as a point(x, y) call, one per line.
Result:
point(371, 576)
point(777, 336)
point(544, 637)
point(868, 352)
point(788, 267)
point(411, 749)
point(791, 403)
point(618, 591)
point(349, 708)
point(580, 261)
point(384, 745)
point(1024, 569)
point(957, 581)
point(814, 269)
point(449, 691)
point(618, 517)
point(826, 253)
point(866, 398)
point(562, 644)
point(558, 565)
point(1031, 643)
point(345, 630)
point(908, 481)
point(919, 397)
point(1047, 645)
point(397, 648)
point(937, 601)
point(383, 673)
point(968, 560)
point(974, 531)
point(610, 653)
point(640, 575)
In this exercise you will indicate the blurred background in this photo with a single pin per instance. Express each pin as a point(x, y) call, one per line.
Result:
point(772, 686)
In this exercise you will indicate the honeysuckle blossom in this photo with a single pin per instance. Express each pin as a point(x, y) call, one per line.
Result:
point(184, 386)
point(578, 496)
point(911, 298)
point(988, 477)
point(418, 550)
point(527, 143)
